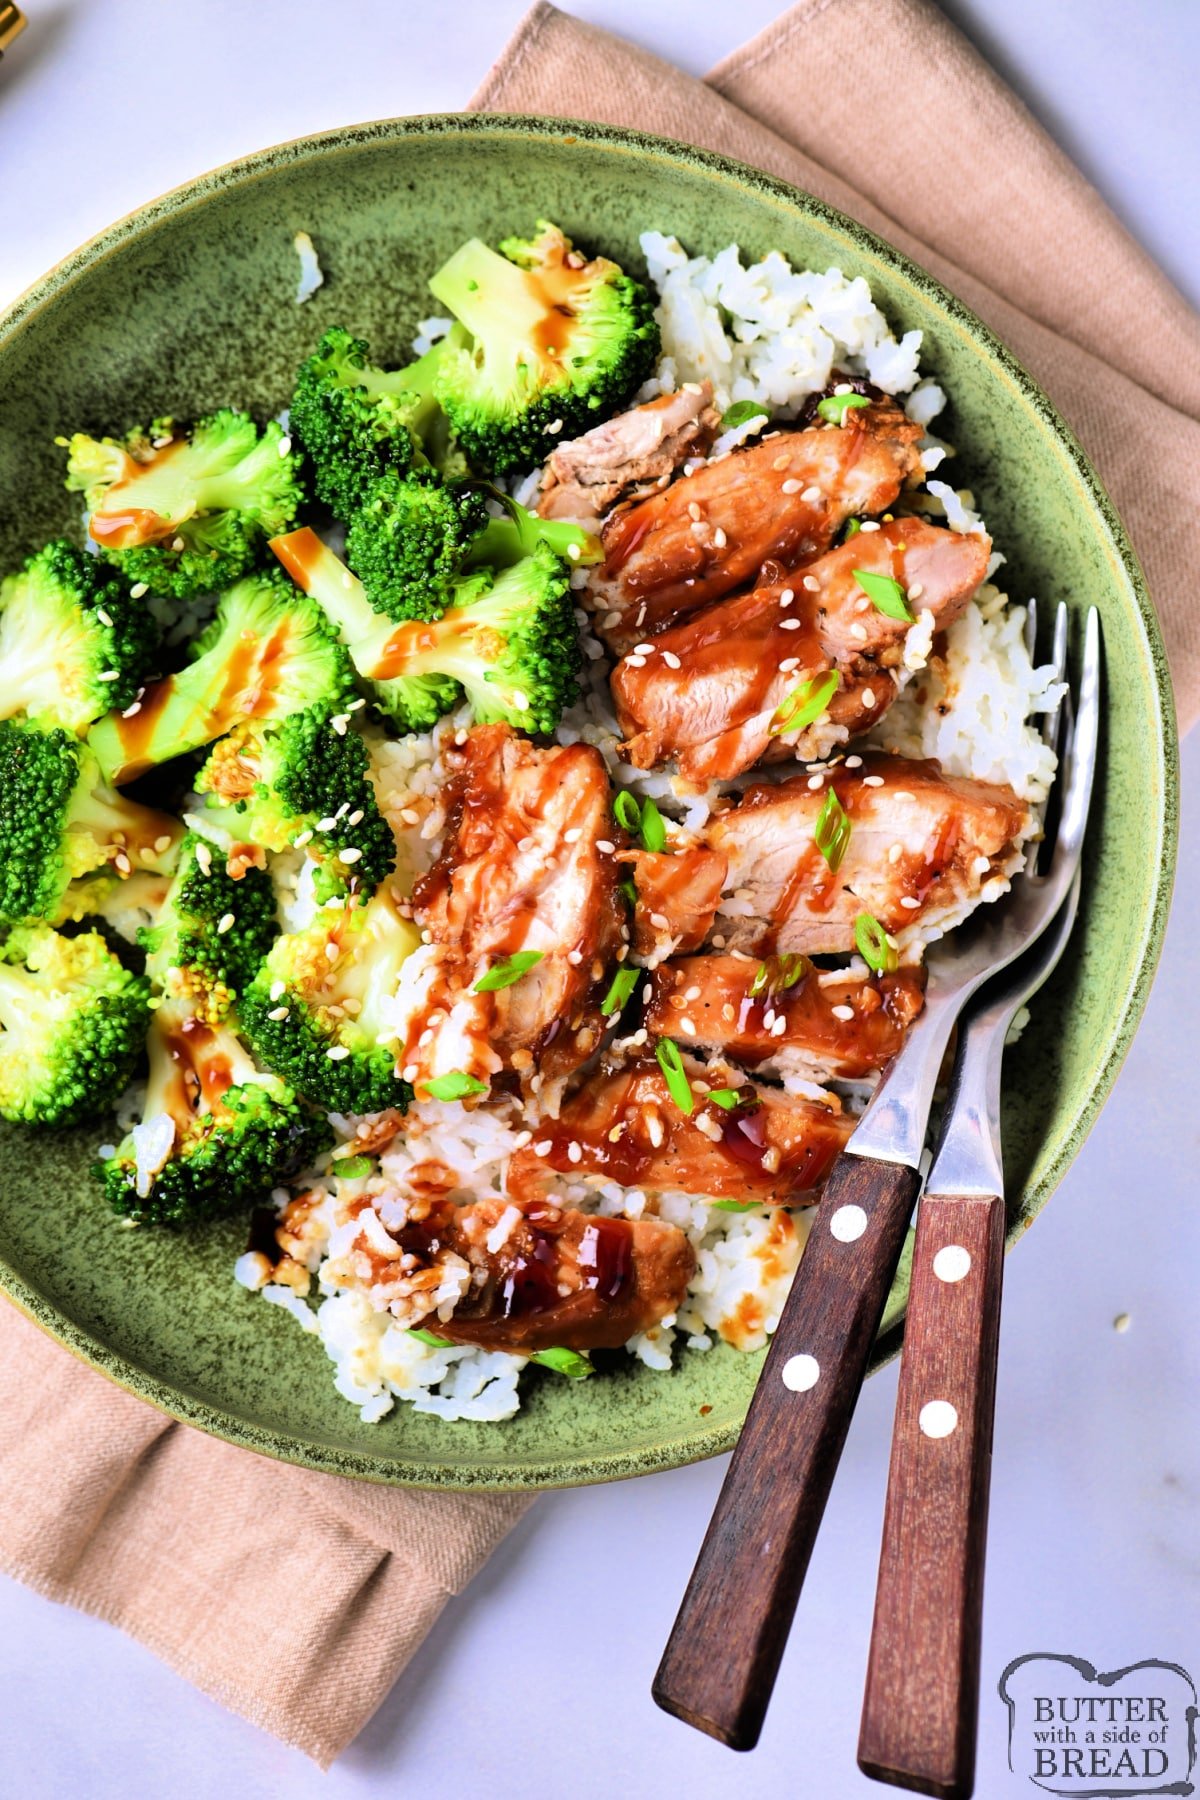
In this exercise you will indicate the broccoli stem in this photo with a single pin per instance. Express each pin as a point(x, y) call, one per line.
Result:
point(491, 296)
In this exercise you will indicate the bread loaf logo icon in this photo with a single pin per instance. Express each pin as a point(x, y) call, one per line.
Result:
point(1086, 1735)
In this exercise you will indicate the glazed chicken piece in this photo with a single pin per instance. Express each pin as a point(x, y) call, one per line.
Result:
point(626, 1127)
point(783, 1016)
point(782, 500)
point(923, 848)
point(678, 893)
point(715, 691)
point(629, 456)
point(515, 1277)
point(526, 866)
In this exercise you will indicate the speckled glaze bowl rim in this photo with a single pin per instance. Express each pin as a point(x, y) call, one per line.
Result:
point(691, 1445)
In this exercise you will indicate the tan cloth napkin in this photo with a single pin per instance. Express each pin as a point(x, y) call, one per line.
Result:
point(296, 1598)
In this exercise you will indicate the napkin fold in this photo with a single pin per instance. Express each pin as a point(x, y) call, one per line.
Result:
point(296, 1598)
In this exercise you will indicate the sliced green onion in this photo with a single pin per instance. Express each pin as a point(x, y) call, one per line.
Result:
point(654, 832)
point(726, 1098)
point(791, 968)
point(628, 888)
point(455, 1086)
point(504, 973)
point(564, 1362)
point(427, 1337)
point(758, 985)
point(831, 832)
point(873, 945)
point(741, 412)
point(805, 703)
point(834, 407)
point(352, 1168)
point(885, 594)
point(777, 973)
point(623, 984)
point(671, 1064)
point(627, 812)
point(852, 526)
point(736, 1205)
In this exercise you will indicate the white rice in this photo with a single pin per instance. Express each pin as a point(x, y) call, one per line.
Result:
point(765, 333)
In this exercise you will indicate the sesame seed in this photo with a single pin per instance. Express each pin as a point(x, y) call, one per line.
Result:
point(787, 596)
point(302, 838)
point(693, 510)
point(635, 662)
point(337, 1053)
point(610, 620)
point(789, 624)
point(137, 590)
point(123, 863)
point(164, 843)
point(573, 552)
point(356, 817)
point(284, 446)
point(719, 538)
point(641, 614)
point(843, 387)
point(353, 705)
point(859, 632)
point(660, 922)
point(225, 923)
point(331, 952)
point(103, 616)
point(544, 1148)
point(671, 660)
point(910, 903)
point(869, 525)
point(916, 590)
point(109, 675)
point(574, 1152)
point(643, 649)
point(554, 427)
point(326, 824)
point(718, 943)
point(815, 782)
point(895, 853)
point(781, 462)
point(460, 738)
point(788, 664)
point(854, 762)
point(574, 957)
point(843, 1012)
point(728, 1014)
point(648, 993)
point(872, 780)
point(177, 543)
point(204, 857)
point(278, 1012)
point(130, 710)
point(811, 494)
point(791, 486)
point(693, 993)
point(654, 1130)
point(769, 1017)
point(410, 1071)
point(349, 856)
point(779, 1027)
point(605, 846)
point(278, 990)
point(410, 815)
point(573, 836)
point(812, 584)
point(868, 695)
point(686, 1025)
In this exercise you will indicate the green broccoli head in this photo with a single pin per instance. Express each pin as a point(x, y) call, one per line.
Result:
point(267, 652)
point(357, 422)
point(517, 533)
point(212, 932)
point(72, 641)
point(216, 1134)
point(316, 1009)
point(186, 515)
point(59, 821)
point(512, 647)
point(126, 903)
point(408, 540)
point(556, 342)
point(313, 566)
point(72, 1025)
point(303, 783)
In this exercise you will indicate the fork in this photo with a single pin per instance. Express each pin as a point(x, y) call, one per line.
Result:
point(720, 1663)
point(921, 1706)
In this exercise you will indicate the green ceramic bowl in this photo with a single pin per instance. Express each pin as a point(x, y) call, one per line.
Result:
point(190, 304)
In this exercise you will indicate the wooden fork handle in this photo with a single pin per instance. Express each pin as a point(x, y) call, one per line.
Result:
point(720, 1663)
point(922, 1696)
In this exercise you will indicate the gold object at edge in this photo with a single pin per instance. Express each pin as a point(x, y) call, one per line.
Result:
point(12, 23)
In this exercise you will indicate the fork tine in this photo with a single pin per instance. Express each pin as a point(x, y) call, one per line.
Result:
point(1052, 720)
point(1031, 622)
point(1081, 720)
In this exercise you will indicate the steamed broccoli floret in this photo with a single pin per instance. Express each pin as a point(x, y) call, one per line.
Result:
point(508, 640)
point(414, 706)
point(215, 1133)
point(72, 641)
point(212, 932)
point(555, 341)
point(59, 820)
point(128, 904)
point(315, 1018)
point(408, 540)
point(303, 783)
point(72, 1025)
point(186, 515)
point(267, 652)
point(504, 541)
point(356, 422)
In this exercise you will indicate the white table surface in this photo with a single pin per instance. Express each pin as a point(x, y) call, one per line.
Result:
point(536, 1684)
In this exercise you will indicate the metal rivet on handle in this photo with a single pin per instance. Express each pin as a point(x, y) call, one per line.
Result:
point(952, 1262)
point(937, 1418)
point(800, 1373)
